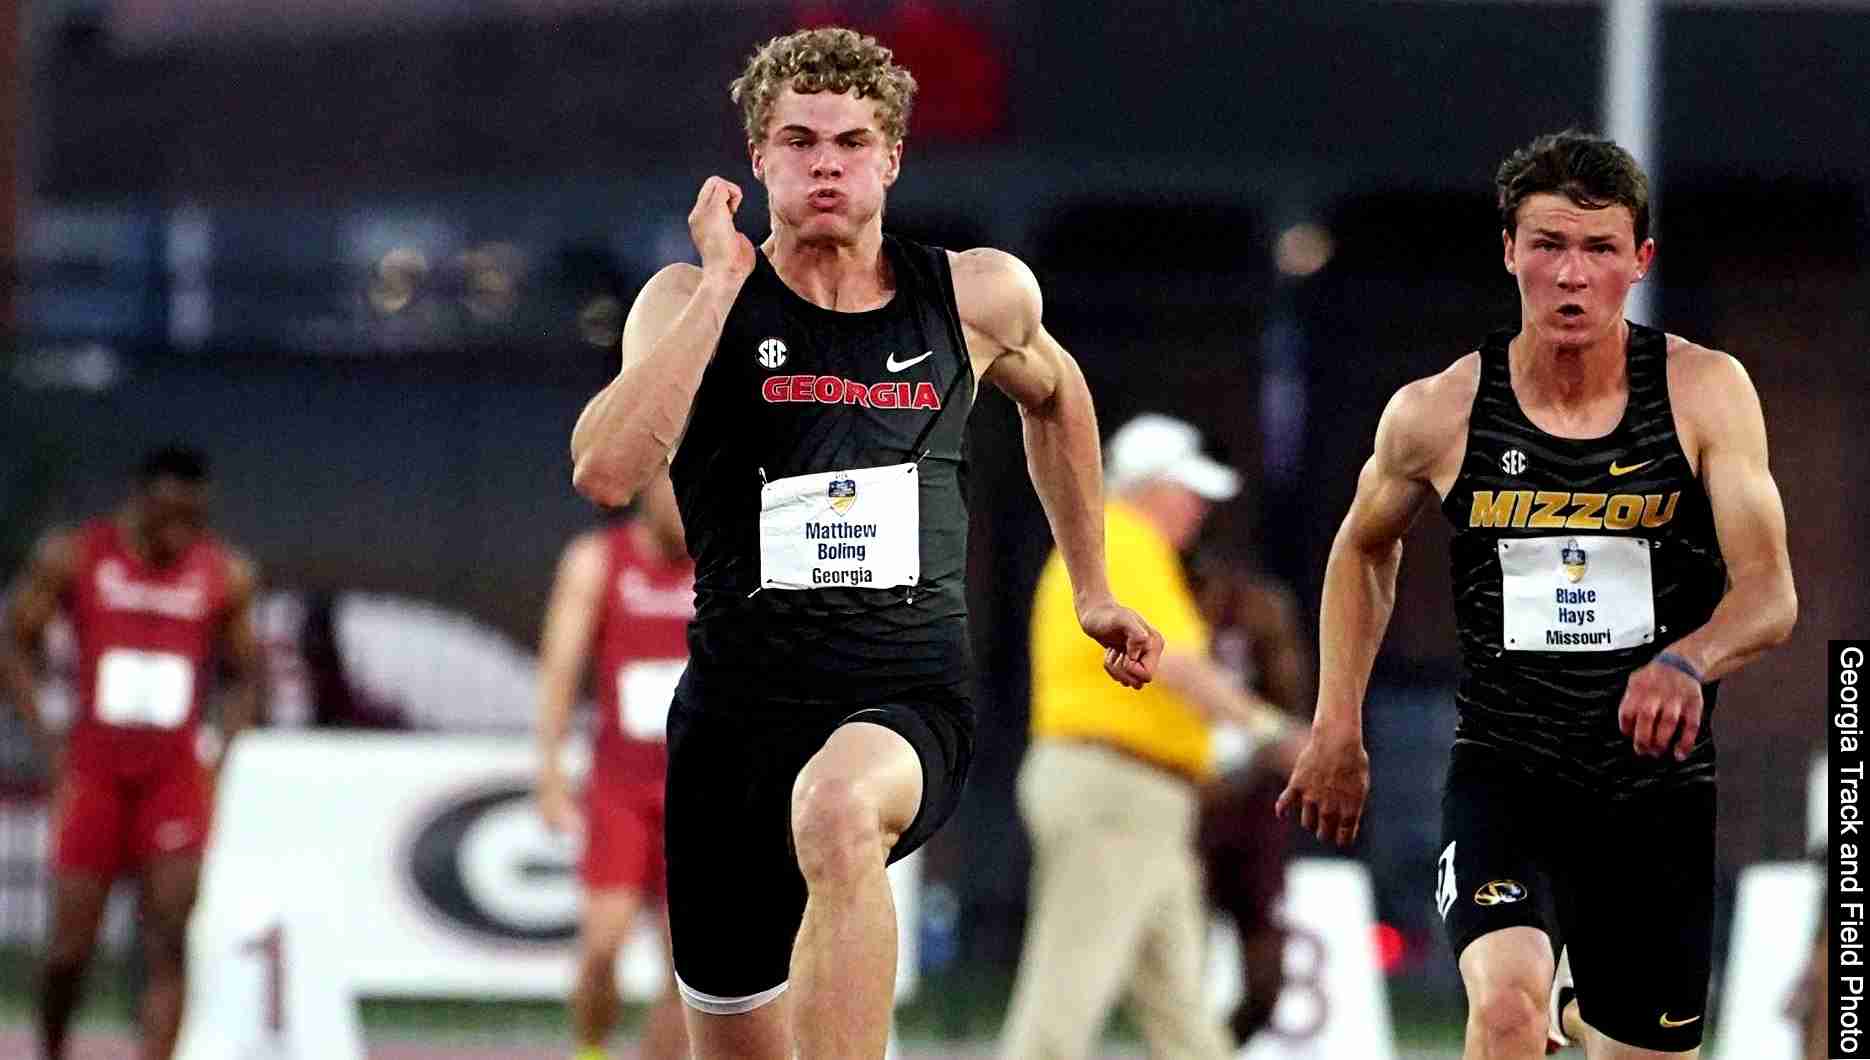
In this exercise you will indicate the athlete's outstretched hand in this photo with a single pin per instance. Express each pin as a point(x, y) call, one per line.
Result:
point(556, 806)
point(1329, 785)
point(1132, 647)
point(1657, 701)
point(711, 225)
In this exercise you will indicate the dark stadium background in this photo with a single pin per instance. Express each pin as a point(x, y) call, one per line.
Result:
point(374, 264)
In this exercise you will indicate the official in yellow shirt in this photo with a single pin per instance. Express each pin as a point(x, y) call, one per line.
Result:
point(1108, 789)
point(1156, 723)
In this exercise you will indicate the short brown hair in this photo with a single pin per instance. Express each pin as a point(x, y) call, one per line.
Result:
point(829, 59)
point(1589, 170)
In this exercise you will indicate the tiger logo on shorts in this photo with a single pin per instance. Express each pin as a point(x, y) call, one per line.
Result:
point(1500, 892)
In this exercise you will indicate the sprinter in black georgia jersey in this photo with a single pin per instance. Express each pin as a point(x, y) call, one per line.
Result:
point(810, 396)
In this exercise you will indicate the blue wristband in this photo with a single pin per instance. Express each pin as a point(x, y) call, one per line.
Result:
point(1676, 662)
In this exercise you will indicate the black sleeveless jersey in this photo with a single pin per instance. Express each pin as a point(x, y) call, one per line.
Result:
point(797, 389)
point(1555, 712)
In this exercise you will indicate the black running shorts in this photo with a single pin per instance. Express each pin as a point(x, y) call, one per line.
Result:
point(1627, 884)
point(736, 895)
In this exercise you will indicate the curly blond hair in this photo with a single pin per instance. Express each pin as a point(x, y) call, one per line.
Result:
point(829, 59)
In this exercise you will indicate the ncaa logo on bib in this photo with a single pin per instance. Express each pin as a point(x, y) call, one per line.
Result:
point(1513, 462)
point(1500, 892)
point(843, 494)
point(1573, 559)
point(772, 354)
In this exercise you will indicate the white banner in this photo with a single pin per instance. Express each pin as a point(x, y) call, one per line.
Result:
point(1775, 920)
point(423, 864)
point(1333, 1002)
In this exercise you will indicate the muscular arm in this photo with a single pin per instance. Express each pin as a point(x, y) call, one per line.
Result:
point(31, 605)
point(1001, 309)
point(1360, 575)
point(243, 705)
point(1063, 452)
point(625, 434)
point(1415, 439)
point(1717, 406)
point(1761, 604)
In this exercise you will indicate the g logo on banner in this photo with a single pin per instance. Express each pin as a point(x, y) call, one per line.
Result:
point(485, 864)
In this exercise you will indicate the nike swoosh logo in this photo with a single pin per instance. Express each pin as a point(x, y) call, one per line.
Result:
point(1619, 469)
point(1667, 1022)
point(895, 365)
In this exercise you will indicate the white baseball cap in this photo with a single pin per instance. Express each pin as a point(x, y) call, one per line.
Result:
point(1153, 446)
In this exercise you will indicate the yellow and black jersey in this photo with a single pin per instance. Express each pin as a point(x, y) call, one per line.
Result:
point(1575, 562)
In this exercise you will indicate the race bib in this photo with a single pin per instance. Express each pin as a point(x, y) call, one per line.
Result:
point(1576, 594)
point(842, 529)
point(644, 691)
point(148, 689)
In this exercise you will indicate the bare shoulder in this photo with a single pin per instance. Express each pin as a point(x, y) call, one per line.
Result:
point(49, 573)
point(584, 557)
point(989, 265)
point(585, 547)
point(55, 555)
point(676, 279)
point(658, 304)
point(995, 292)
point(666, 292)
point(1714, 401)
point(1701, 376)
point(243, 574)
point(1426, 420)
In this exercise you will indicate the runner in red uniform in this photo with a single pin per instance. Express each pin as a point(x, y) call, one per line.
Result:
point(156, 602)
point(628, 592)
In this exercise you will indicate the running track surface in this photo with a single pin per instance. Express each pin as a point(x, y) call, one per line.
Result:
point(16, 1044)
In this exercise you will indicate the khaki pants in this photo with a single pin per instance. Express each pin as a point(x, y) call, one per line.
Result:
point(1116, 902)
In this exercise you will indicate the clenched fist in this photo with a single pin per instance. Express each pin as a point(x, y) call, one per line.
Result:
point(722, 247)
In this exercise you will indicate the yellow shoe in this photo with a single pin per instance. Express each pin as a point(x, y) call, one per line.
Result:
point(589, 1052)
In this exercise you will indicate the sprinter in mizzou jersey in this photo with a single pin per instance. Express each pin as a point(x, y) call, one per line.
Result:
point(1620, 546)
point(1575, 561)
point(823, 380)
point(156, 603)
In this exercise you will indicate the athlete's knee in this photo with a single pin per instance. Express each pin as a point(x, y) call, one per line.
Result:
point(165, 948)
point(836, 827)
point(65, 958)
point(601, 938)
point(1509, 1012)
point(597, 962)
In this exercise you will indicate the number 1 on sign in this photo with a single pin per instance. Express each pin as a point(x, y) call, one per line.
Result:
point(270, 945)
